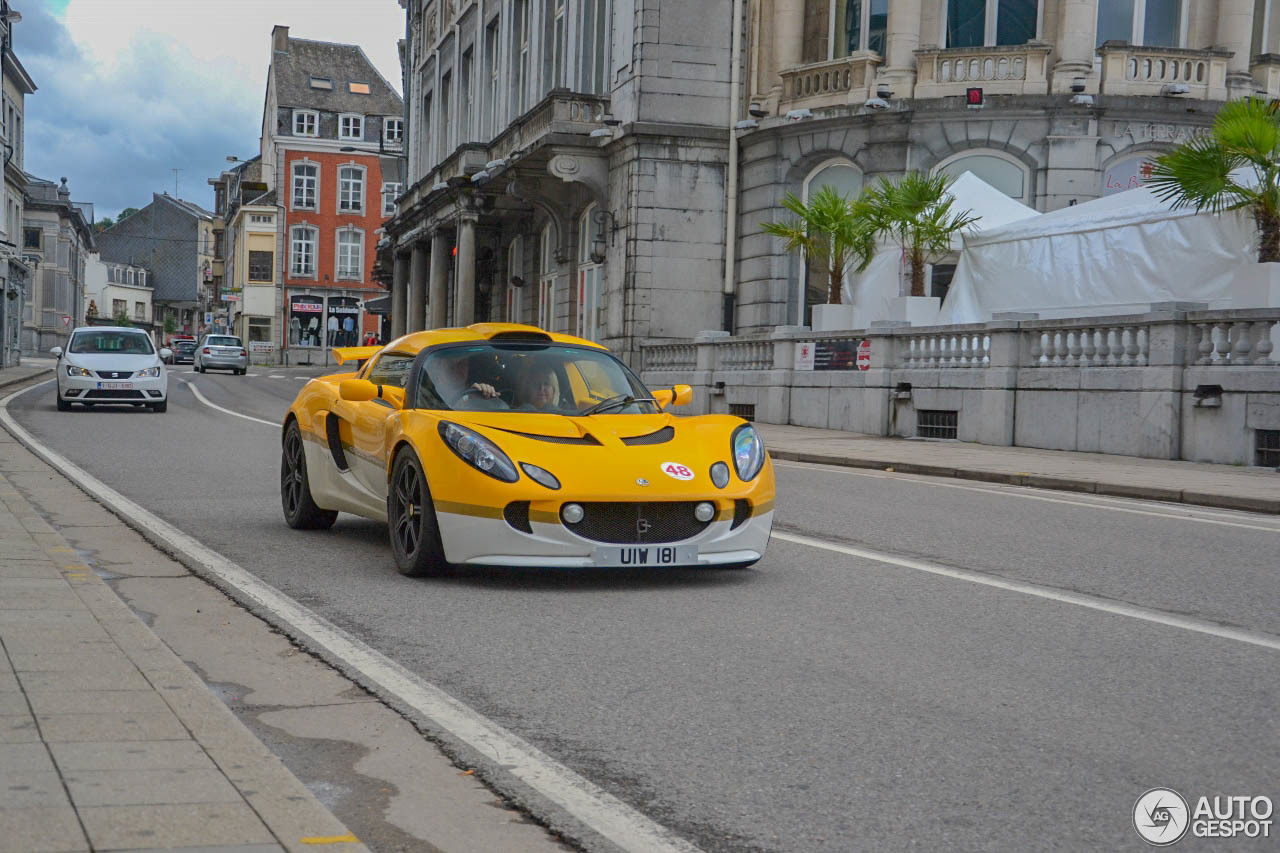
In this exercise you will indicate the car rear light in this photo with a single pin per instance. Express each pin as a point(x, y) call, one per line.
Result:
point(244, 352)
point(205, 351)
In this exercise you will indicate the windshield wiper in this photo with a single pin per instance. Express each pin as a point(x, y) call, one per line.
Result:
point(616, 402)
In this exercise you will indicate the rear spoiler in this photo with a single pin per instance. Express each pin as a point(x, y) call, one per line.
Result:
point(357, 354)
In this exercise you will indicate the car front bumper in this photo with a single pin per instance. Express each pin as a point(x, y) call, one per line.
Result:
point(94, 389)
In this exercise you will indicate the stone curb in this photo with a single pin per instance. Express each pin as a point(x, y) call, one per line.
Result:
point(18, 380)
point(1040, 481)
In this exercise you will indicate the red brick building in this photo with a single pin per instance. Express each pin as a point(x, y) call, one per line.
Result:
point(332, 135)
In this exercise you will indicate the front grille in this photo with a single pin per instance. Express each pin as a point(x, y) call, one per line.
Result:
point(101, 394)
point(517, 515)
point(115, 374)
point(741, 512)
point(638, 523)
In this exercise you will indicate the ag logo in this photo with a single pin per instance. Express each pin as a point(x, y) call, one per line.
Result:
point(1161, 817)
point(677, 471)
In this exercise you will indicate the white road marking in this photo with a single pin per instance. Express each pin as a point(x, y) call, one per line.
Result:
point(1106, 502)
point(1240, 635)
point(598, 810)
point(203, 399)
point(277, 376)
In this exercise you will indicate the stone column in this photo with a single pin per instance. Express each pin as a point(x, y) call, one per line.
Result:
point(465, 299)
point(1077, 30)
point(902, 40)
point(1235, 33)
point(788, 31)
point(438, 301)
point(418, 289)
point(400, 296)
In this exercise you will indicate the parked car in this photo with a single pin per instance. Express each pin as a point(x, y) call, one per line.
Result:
point(109, 364)
point(183, 352)
point(504, 445)
point(221, 352)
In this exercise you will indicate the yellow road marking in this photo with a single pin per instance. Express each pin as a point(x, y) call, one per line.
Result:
point(349, 838)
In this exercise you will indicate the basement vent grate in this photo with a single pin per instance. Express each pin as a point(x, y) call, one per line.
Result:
point(936, 423)
point(1268, 447)
point(746, 411)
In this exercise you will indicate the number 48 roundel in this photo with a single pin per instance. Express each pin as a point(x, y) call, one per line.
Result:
point(676, 470)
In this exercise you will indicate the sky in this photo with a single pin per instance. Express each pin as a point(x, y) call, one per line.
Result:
point(129, 90)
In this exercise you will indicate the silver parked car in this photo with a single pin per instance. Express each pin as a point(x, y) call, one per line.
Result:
point(221, 352)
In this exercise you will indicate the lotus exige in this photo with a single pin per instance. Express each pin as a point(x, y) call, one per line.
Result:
point(503, 445)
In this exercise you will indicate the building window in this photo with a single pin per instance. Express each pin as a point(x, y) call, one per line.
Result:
point(350, 189)
point(31, 238)
point(321, 82)
point(589, 277)
point(220, 199)
point(302, 250)
point(350, 253)
point(393, 131)
point(358, 88)
point(305, 122)
point(118, 308)
point(1154, 23)
point(260, 265)
point(217, 245)
point(390, 192)
point(306, 179)
point(515, 272)
point(520, 57)
point(593, 53)
point(128, 276)
point(427, 143)
point(261, 218)
point(1126, 174)
point(979, 23)
point(140, 311)
point(493, 114)
point(142, 278)
point(464, 97)
point(446, 124)
point(555, 14)
point(350, 126)
point(846, 179)
point(858, 25)
point(1006, 175)
point(1265, 25)
point(547, 279)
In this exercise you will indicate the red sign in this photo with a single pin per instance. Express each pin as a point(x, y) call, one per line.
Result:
point(864, 355)
point(973, 96)
point(66, 320)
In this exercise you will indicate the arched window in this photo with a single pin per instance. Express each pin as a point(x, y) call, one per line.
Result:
point(589, 274)
point(846, 179)
point(1000, 171)
point(1126, 174)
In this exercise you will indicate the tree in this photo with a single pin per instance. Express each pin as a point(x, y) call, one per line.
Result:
point(125, 214)
point(103, 224)
point(829, 233)
point(916, 213)
point(1233, 167)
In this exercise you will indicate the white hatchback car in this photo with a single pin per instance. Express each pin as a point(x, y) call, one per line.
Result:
point(110, 364)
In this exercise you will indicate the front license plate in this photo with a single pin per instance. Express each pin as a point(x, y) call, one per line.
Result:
point(116, 386)
point(629, 556)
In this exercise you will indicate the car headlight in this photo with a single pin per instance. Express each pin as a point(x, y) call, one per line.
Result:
point(720, 474)
point(748, 452)
point(149, 372)
point(72, 370)
point(479, 452)
point(540, 475)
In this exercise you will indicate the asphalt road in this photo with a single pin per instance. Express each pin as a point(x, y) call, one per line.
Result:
point(821, 701)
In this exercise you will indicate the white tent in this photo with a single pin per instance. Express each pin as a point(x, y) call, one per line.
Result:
point(873, 290)
point(1114, 255)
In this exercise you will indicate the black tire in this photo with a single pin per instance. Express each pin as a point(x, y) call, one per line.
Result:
point(159, 408)
point(63, 405)
point(411, 521)
point(300, 511)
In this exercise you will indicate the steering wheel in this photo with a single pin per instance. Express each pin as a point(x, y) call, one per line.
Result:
point(490, 402)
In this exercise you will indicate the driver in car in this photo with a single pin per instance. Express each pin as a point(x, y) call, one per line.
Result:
point(450, 374)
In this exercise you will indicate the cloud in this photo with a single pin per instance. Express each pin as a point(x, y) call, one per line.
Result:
point(129, 90)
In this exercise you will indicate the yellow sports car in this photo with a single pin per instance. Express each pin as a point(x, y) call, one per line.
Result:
point(503, 445)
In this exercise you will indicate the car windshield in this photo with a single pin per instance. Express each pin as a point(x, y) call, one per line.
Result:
point(532, 378)
point(185, 346)
point(119, 343)
point(222, 341)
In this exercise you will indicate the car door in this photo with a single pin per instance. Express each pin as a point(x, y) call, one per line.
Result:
point(369, 420)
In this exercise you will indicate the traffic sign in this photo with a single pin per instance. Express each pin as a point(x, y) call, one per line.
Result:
point(864, 355)
point(66, 321)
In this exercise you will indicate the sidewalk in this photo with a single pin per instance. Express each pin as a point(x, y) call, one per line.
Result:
point(1224, 486)
point(31, 368)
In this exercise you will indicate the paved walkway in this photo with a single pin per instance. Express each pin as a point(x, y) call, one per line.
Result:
point(1225, 486)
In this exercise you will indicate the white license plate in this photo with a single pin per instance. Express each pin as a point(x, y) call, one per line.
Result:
point(633, 556)
point(116, 386)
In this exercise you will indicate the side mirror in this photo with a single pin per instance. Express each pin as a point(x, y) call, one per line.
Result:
point(165, 353)
point(357, 390)
point(676, 395)
point(57, 352)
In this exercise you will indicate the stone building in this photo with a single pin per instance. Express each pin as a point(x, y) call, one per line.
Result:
point(567, 164)
point(248, 220)
point(15, 255)
point(1054, 102)
point(174, 240)
point(57, 239)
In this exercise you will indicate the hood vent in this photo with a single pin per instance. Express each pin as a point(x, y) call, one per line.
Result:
point(662, 436)
point(587, 439)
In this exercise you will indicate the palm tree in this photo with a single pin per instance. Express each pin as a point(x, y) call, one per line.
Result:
point(1213, 172)
point(916, 212)
point(829, 232)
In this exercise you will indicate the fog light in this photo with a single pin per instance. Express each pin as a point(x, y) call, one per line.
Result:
point(572, 513)
point(155, 393)
point(704, 511)
point(73, 392)
point(720, 475)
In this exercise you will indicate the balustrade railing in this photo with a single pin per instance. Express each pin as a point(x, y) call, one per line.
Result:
point(823, 84)
point(1233, 342)
point(1129, 70)
point(671, 357)
point(745, 355)
point(1110, 345)
point(1004, 70)
point(948, 349)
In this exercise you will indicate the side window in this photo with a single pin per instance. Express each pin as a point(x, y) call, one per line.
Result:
point(391, 369)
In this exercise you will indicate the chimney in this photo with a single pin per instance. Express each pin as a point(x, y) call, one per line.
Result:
point(280, 39)
point(64, 192)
